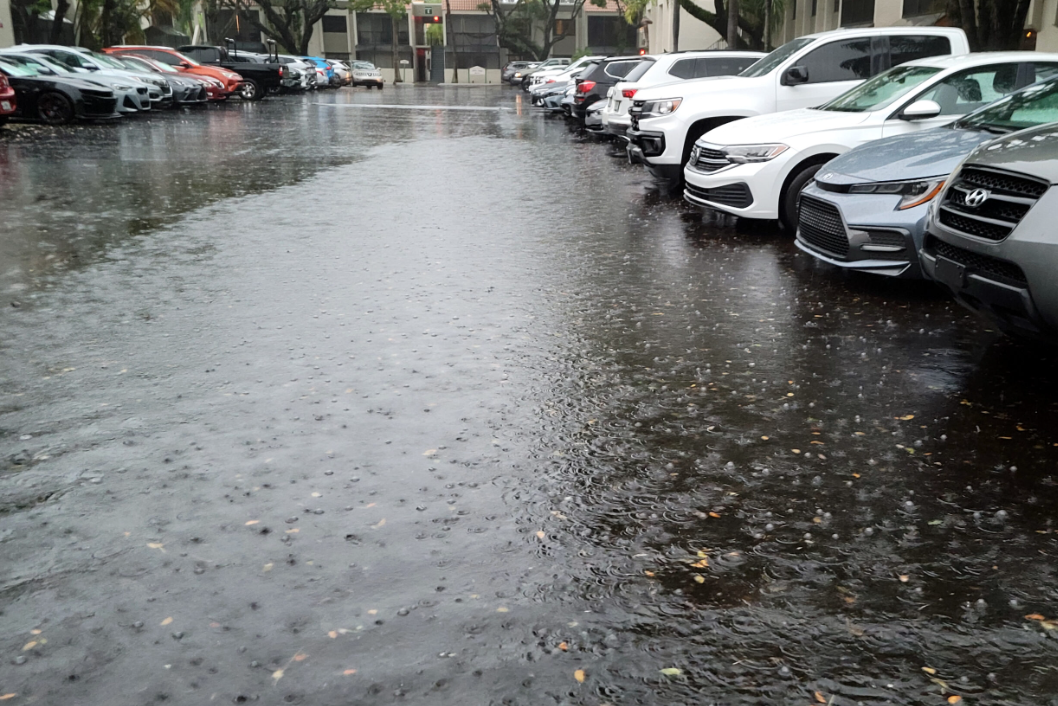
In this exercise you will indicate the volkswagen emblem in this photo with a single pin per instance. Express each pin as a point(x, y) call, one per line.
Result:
point(694, 154)
point(977, 197)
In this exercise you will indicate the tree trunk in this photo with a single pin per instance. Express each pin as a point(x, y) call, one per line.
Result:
point(767, 25)
point(676, 12)
point(55, 35)
point(396, 52)
point(732, 24)
point(452, 39)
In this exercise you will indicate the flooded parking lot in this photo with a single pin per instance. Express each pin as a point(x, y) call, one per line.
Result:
point(424, 398)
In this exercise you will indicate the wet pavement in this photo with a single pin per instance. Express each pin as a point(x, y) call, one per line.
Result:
point(321, 401)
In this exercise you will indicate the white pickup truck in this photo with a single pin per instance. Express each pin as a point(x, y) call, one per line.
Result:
point(805, 72)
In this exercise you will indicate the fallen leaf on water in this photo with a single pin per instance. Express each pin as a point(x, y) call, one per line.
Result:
point(252, 522)
point(268, 566)
point(703, 564)
point(1034, 616)
point(820, 698)
point(1045, 624)
point(906, 417)
point(317, 495)
point(34, 632)
point(929, 670)
point(165, 622)
point(904, 578)
point(277, 675)
point(698, 578)
point(29, 645)
point(5, 697)
point(503, 609)
point(563, 646)
point(671, 671)
point(541, 535)
point(300, 657)
point(156, 545)
point(954, 699)
point(579, 675)
point(714, 514)
point(429, 452)
point(649, 573)
point(333, 634)
point(372, 612)
point(764, 438)
point(381, 523)
point(796, 451)
point(347, 672)
point(293, 531)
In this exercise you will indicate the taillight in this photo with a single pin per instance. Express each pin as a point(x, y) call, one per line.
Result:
point(551, 80)
point(585, 86)
point(628, 92)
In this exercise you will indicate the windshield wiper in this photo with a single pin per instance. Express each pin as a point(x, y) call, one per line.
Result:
point(994, 129)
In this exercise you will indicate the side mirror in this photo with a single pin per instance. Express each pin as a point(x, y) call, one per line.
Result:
point(920, 110)
point(184, 65)
point(794, 76)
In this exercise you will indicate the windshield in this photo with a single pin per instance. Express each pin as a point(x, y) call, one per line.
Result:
point(107, 61)
point(12, 69)
point(637, 73)
point(768, 63)
point(53, 64)
point(882, 90)
point(364, 65)
point(1032, 106)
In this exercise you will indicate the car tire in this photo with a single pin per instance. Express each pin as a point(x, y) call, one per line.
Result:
point(791, 195)
point(54, 108)
point(251, 91)
point(380, 87)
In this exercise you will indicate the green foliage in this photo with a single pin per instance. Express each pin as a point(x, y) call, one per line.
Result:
point(435, 34)
point(750, 19)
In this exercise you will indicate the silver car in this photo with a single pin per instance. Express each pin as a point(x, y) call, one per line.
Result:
point(867, 209)
point(991, 241)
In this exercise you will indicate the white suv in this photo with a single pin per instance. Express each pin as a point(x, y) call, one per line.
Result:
point(669, 68)
point(810, 70)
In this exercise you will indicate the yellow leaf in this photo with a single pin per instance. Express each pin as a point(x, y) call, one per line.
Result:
point(580, 676)
point(703, 564)
point(372, 612)
point(541, 535)
point(1045, 624)
point(954, 699)
point(381, 523)
point(333, 634)
point(649, 573)
point(1034, 616)
point(563, 646)
point(5, 697)
point(293, 531)
point(698, 578)
point(763, 438)
point(855, 475)
point(904, 578)
point(29, 645)
point(317, 495)
point(167, 621)
point(429, 452)
point(252, 522)
point(300, 657)
point(796, 451)
point(503, 609)
point(906, 417)
point(277, 674)
point(671, 671)
point(34, 632)
point(347, 672)
point(820, 698)
point(714, 514)
point(929, 670)
point(156, 545)
point(268, 566)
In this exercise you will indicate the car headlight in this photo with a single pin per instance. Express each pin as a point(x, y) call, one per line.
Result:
point(123, 88)
point(912, 193)
point(750, 154)
point(518, 75)
point(665, 106)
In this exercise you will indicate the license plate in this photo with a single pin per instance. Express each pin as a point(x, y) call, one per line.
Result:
point(950, 273)
point(5, 105)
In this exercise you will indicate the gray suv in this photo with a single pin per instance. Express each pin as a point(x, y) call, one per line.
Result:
point(990, 237)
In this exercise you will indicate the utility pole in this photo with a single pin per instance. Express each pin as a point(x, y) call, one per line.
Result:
point(767, 25)
point(676, 9)
point(732, 24)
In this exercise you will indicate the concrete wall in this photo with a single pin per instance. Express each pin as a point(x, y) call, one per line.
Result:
point(694, 34)
point(1043, 17)
point(7, 32)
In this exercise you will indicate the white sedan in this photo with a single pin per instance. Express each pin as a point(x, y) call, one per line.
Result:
point(756, 167)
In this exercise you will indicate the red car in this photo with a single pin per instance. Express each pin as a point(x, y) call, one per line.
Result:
point(7, 99)
point(180, 62)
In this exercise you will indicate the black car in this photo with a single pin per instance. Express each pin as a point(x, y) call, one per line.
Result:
point(55, 100)
point(593, 84)
point(257, 78)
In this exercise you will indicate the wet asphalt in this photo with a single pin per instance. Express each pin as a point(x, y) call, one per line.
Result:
point(318, 401)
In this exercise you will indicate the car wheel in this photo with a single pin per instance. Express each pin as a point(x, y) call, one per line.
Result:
point(250, 91)
point(55, 109)
point(788, 202)
point(380, 86)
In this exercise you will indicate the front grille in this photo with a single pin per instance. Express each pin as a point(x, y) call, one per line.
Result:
point(142, 90)
point(710, 160)
point(986, 265)
point(821, 227)
point(889, 238)
point(734, 195)
point(1009, 198)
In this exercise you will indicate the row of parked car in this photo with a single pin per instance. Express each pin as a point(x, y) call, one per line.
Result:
point(890, 151)
point(57, 85)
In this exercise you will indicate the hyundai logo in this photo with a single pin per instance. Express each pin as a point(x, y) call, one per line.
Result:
point(977, 197)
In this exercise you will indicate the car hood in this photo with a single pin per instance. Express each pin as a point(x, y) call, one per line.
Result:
point(778, 127)
point(711, 86)
point(928, 153)
point(1033, 152)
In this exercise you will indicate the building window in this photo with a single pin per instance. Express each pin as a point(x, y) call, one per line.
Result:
point(335, 23)
point(474, 33)
point(565, 28)
point(375, 29)
point(610, 32)
point(857, 12)
point(814, 8)
point(913, 8)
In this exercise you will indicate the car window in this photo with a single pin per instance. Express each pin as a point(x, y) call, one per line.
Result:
point(1041, 72)
point(17, 69)
point(684, 68)
point(844, 60)
point(882, 90)
point(638, 71)
point(52, 63)
point(968, 90)
point(162, 56)
point(908, 47)
point(1035, 105)
point(71, 59)
point(768, 63)
point(720, 66)
point(619, 69)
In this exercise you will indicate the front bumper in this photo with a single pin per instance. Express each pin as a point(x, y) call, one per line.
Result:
point(762, 181)
point(647, 147)
point(1011, 282)
point(869, 234)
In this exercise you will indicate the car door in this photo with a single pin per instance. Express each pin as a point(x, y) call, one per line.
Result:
point(831, 68)
point(965, 91)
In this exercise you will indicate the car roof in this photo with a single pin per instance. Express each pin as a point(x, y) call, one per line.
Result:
point(945, 31)
point(982, 58)
point(706, 52)
point(141, 46)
